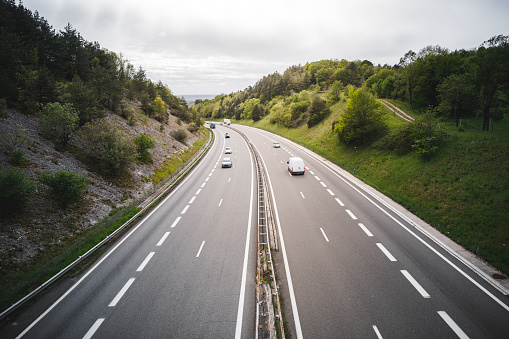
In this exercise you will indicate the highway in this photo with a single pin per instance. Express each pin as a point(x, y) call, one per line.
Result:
point(186, 271)
point(351, 264)
point(352, 267)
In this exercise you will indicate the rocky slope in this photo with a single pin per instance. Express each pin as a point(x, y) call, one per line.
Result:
point(43, 223)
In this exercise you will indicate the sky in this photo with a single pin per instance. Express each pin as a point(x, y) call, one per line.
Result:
point(224, 46)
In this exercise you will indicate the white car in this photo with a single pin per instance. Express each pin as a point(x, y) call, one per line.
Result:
point(228, 150)
point(227, 162)
point(276, 144)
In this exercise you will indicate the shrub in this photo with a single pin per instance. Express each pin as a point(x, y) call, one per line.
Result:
point(193, 127)
point(15, 191)
point(362, 121)
point(59, 121)
point(17, 157)
point(106, 148)
point(179, 134)
point(66, 187)
point(143, 143)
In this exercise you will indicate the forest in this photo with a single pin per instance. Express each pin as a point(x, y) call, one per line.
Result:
point(460, 83)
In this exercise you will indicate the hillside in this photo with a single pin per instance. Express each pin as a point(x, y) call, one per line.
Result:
point(463, 190)
point(43, 228)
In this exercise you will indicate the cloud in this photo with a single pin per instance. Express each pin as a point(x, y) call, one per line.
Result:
point(226, 45)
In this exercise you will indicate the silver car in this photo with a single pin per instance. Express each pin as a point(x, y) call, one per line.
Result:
point(227, 162)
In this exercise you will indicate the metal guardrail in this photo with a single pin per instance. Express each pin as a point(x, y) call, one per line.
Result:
point(269, 319)
point(154, 198)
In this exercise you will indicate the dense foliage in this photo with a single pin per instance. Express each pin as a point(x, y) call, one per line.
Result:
point(15, 191)
point(459, 84)
point(65, 187)
point(39, 66)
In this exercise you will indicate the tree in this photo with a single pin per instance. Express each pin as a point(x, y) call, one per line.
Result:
point(143, 144)
point(106, 148)
point(363, 119)
point(492, 59)
point(456, 92)
point(257, 113)
point(160, 110)
point(335, 93)
point(59, 121)
point(66, 187)
point(15, 191)
point(407, 62)
point(318, 111)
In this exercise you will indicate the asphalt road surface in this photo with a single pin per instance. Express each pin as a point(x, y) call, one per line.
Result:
point(186, 271)
point(352, 267)
point(351, 264)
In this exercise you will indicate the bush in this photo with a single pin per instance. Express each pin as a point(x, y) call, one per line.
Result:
point(59, 121)
point(15, 191)
point(193, 127)
point(106, 148)
point(143, 143)
point(66, 187)
point(17, 157)
point(362, 121)
point(179, 134)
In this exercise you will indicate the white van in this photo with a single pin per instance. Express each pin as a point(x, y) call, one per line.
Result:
point(296, 165)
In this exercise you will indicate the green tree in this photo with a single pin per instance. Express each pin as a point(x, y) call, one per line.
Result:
point(105, 147)
point(492, 60)
point(457, 92)
point(318, 111)
point(15, 191)
point(59, 121)
point(363, 119)
point(143, 144)
point(66, 187)
point(335, 93)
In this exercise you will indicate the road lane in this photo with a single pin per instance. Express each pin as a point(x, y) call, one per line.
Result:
point(350, 287)
point(180, 272)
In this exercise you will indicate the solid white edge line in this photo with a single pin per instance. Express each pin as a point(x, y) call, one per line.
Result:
point(163, 238)
point(351, 214)
point(121, 293)
point(365, 229)
point(386, 252)
point(175, 222)
point(93, 329)
point(452, 324)
point(201, 247)
point(145, 262)
point(324, 235)
point(414, 283)
point(242, 295)
point(110, 252)
point(467, 263)
point(377, 332)
point(289, 281)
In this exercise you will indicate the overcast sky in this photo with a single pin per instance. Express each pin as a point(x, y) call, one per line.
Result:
point(223, 46)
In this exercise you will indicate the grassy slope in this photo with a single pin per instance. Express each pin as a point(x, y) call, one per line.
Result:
point(463, 190)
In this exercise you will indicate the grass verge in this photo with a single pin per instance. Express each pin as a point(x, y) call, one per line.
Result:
point(463, 190)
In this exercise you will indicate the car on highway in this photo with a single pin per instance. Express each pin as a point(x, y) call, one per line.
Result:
point(227, 135)
point(228, 150)
point(276, 144)
point(227, 162)
point(296, 166)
